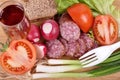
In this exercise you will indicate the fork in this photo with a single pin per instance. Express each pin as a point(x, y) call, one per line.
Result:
point(98, 55)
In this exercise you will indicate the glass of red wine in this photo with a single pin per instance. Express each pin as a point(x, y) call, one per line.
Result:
point(14, 20)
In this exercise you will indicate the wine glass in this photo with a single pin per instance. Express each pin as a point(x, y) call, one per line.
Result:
point(14, 20)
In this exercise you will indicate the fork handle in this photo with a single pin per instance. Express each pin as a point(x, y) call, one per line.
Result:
point(115, 46)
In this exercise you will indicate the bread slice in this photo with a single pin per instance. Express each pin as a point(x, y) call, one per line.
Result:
point(36, 9)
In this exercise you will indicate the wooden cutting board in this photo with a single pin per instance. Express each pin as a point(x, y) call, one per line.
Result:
point(115, 76)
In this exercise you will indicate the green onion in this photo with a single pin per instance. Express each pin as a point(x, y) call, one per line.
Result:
point(54, 69)
point(59, 61)
point(105, 70)
point(60, 75)
point(94, 73)
point(109, 66)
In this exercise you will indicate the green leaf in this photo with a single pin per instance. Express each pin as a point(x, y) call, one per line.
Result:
point(89, 3)
point(62, 5)
point(98, 5)
point(95, 13)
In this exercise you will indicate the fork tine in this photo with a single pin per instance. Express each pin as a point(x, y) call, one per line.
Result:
point(88, 58)
point(86, 55)
point(92, 63)
point(89, 61)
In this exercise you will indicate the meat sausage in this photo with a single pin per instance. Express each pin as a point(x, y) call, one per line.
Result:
point(55, 49)
point(88, 41)
point(82, 47)
point(69, 30)
point(73, 48)
point(65, 43)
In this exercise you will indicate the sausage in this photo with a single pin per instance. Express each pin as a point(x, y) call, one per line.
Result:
point(73, 48)
point(82, 47)
point(69, 30)
point(65, 17)
point(88, 41)
point(65, 43)
point(55, 49)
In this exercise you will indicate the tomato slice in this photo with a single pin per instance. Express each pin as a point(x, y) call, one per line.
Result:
point(105, 29)
point(82, 15)
point(19, 58)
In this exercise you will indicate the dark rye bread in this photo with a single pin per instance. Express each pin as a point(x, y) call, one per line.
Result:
point(36, 9)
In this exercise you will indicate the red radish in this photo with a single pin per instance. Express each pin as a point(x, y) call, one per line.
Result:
point(34, 34)
point(50, 30)
point(41, 50)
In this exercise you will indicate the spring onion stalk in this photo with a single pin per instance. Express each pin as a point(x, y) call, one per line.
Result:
point(110, 63)
point(54, 69)
point(109, 66)
point(61, 61)
point(93, 73)
point(105, 70)
point(59, 75)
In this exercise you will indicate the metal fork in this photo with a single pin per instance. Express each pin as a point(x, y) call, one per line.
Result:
point(98, 55)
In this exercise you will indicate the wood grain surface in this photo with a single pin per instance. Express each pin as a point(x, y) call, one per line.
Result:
point(115, 76)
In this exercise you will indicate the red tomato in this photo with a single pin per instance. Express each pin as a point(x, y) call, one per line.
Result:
point(82, 15)
point(20, 61)
point(105, 29)
point(0, 59)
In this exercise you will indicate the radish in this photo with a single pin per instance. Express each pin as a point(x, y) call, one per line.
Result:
point(41, 50)
point(34, 34)
point(50, 30)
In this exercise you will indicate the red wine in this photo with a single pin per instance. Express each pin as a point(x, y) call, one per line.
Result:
point(11, 15)
point(16, 23)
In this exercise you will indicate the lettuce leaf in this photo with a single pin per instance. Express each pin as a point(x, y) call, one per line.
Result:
point(97, 6)
point(62, 5)
point(100, 6)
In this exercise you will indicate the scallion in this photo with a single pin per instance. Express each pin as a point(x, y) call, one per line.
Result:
point(54, 69)
point(109, 66)
point(61, 61)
